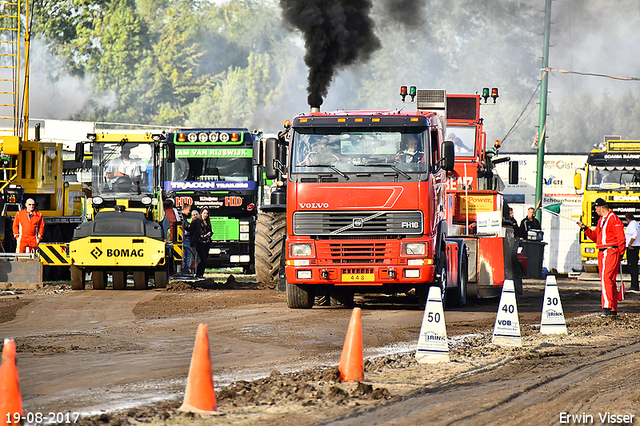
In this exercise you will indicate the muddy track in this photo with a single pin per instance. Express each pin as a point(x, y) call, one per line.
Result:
point(119, 352)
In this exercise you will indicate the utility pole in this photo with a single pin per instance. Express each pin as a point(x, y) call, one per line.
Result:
point(542, 118)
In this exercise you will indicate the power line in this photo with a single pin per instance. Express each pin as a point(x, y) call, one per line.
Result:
point(513, 127)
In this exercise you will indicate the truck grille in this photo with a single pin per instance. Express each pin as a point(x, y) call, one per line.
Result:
point(354, 252)
point(339, 224)
point(620, 209)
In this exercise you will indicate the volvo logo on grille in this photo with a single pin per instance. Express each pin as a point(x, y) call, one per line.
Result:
point(358, 222)
point(96, 252)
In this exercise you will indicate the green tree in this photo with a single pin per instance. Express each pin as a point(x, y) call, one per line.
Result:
point(235, 99)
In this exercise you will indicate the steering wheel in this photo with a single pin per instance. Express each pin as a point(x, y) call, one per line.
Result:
point(122, 184)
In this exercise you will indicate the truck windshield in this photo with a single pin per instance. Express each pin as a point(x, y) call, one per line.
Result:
point(613, 178)
point(123, 168)
point(211, 169)
point(350, 150)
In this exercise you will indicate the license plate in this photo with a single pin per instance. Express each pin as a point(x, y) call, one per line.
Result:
point(357, 277)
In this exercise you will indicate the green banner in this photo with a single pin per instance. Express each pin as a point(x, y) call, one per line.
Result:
point(214, 152)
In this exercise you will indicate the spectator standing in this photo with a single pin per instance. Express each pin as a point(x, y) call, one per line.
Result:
point(188, 253)
point(632, 236)
point(530, 222)
point(28, 227)
point(201, 233)
point(610, 242)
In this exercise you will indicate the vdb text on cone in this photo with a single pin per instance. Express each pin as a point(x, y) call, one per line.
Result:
point(351, 365)
point(506, 331)
point(10, 398)
point(200, 396)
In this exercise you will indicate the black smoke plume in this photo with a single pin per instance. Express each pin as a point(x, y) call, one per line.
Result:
point(337, 33)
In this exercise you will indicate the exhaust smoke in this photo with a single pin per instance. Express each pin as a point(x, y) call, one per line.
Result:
point(337, 33)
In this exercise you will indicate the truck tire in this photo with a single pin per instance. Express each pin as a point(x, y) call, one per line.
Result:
point(271, 232)
point(458, 298)
point(441, 276)
point(77, 278)
point(300, 296)
point(99, 279)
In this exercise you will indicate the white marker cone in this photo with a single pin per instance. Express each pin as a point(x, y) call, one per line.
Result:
point(506, 331)
point(433, 345)
point(552, 321)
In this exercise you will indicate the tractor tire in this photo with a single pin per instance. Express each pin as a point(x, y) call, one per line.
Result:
point(300, 296)
point(271, 232)
point(77, 278)
point(99, 280)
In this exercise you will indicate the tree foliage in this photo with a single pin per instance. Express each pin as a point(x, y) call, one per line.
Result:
point(234, 63)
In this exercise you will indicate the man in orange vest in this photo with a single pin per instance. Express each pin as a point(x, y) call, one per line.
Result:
point(28, 227)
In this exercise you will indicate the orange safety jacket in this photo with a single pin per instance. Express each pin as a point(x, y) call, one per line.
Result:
point(28, 231)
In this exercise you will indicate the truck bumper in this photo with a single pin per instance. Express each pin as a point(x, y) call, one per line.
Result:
point(360, 275)
point(117, 251)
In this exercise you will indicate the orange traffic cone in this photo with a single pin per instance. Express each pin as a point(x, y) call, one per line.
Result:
point(200, 397)
point(10, 398)
point(351, 365)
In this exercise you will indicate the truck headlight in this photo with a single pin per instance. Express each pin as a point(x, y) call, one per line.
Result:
point(244, 228)
point(589, 250)
point(97, 201)
point(301, 250)
point(146, 200)
point(415, 249)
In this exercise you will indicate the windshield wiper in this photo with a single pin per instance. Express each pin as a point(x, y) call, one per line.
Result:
point(334, 168)
point(397, 170)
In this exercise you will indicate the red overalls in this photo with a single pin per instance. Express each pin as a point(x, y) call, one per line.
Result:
point(611, 244)
point(26, 229)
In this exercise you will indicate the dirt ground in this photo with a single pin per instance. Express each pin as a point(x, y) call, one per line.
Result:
point(121, 357)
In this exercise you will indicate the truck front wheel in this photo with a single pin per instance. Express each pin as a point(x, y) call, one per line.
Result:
point(441, 276)
point(300, 296)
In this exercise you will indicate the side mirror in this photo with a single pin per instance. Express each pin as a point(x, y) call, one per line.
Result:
point(448, 155)
point(79, 152)
point(271, 155)
point(257, 152)
point(514, 171)
point(578, 180)
point(171, 152)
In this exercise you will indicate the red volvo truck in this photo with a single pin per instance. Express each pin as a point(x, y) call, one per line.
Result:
point(363, 198)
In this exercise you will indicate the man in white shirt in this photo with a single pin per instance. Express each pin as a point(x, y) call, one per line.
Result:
point(632, 235)
point(123, 167)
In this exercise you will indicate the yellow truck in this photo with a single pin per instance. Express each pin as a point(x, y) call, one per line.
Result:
point(614, 175)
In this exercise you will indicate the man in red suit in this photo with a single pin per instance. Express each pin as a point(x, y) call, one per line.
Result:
point(28, 227)
point(611, 243)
